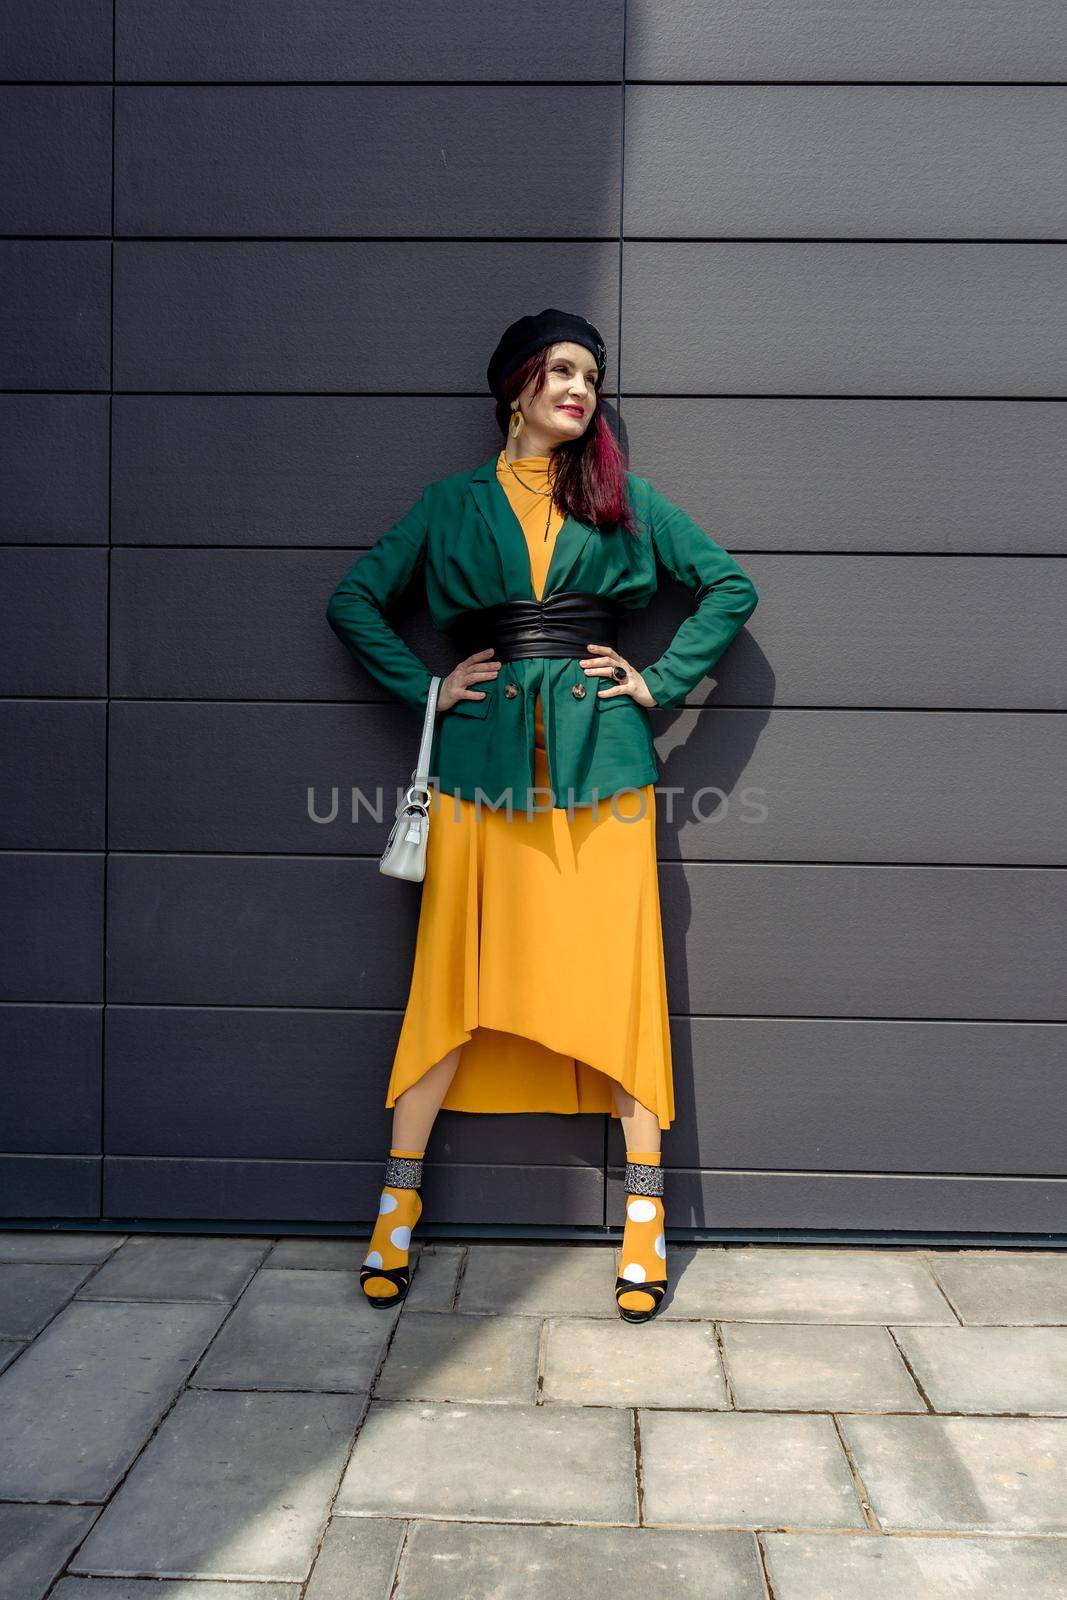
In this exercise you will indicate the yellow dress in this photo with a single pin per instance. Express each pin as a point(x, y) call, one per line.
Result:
point(539, 946)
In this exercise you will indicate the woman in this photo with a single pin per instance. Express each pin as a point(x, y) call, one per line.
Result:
point(538, 981)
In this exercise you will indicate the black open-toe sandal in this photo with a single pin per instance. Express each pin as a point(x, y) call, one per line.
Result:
point(401, 1276)
point(656, 1287)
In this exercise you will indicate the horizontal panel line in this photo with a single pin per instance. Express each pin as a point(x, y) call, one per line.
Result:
point(800, 551)
point(614, 82)
point(398, 1011)
point(314, 238)
point(58, 851)
point(609, 1167)
point(722, 705)
point(859, 83)
point(297, 394)
point(795, 238)
point(532, 83)
point(913, 1238)
point(821, 864)
point(56, 1005)
point(59, 1155)
point(784, 396)
point(529, 238)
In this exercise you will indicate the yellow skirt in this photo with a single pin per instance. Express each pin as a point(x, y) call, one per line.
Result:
point(540, 951)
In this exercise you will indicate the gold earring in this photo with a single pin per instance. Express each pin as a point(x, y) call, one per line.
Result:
point(515, 425)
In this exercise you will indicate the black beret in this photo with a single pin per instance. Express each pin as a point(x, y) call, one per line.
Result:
point(526, 336)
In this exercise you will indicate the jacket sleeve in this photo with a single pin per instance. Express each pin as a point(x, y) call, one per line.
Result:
point(356, 609)
point(726, 598)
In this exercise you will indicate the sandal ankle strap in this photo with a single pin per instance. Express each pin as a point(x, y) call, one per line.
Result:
point(403, 1172)
point(643, 1178)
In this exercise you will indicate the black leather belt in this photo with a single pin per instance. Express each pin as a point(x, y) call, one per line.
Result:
point(563, 624)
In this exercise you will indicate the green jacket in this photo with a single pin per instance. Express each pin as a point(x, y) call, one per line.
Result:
point(464, 538)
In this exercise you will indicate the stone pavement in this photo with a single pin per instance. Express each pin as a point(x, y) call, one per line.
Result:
point(799, 1423)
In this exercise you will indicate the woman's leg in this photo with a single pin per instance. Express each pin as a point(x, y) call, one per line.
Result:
point(644, 1249)
point(640, 1126)
point(400, 1203)
point(414, 1111)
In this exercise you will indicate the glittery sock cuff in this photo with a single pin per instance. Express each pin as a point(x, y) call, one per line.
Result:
point(643, 1178)
point(402, 1172)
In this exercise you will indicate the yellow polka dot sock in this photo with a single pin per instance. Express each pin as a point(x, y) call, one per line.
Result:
point(399, 1208)
point(644, 1250)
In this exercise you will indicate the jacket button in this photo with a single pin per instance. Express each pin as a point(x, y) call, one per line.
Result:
point(511, 690)
point(578, 690)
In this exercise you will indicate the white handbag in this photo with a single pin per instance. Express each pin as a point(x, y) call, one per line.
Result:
point(404, 855)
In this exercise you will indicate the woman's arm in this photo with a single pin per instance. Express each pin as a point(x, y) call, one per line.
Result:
point(356, 610)
point(726, 598)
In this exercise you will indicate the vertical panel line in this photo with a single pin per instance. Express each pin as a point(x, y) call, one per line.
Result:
point(107, 632)
point(618, 401)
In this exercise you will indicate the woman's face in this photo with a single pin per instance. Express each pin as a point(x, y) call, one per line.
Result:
point(564, 408)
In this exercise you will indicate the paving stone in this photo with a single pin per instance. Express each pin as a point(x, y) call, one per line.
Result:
point(327, 1255)
point(543, 1280)
point(1011, 1287)
point(776, 1366)
point(35, 1542)
point(986, 1370)
point(765, 1283)
point(358, 1558)
point(231, 1486)
point(528, 1562)
point(87, 1393)
point(299, 1329)
point(746, 1470)
point(30, 1295)
point(813, 1566)
point(433, 1285)
point(497, 1463)
point(322, 1255)
point(963, 1474)
point(169, 1589)
point(591, 1361)
point(58, 1247)
point(9, 1349)
point(170, 1266)
point(491, 1359)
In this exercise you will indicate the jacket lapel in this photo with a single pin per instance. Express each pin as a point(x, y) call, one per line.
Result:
point(491, 499)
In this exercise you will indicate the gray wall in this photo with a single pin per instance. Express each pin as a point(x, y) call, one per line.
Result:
point(254, 259)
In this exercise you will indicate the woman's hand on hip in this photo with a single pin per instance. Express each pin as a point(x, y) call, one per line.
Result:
point(603, 666)
point(462, 680)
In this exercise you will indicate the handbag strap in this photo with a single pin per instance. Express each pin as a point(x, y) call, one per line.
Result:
point(421, 774)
